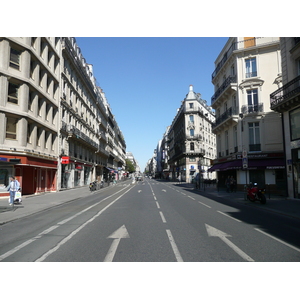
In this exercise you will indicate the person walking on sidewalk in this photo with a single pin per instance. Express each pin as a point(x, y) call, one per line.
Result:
point(13, 187)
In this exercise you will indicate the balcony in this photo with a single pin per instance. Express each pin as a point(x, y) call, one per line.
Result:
point(197, 137)
point(227, 117)
point(254, 108)
point(244, 44)
point(224, 59)
point(226, 84)
point(286, 97)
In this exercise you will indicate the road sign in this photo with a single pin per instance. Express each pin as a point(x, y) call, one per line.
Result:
point(244, 154)
point(245, 162)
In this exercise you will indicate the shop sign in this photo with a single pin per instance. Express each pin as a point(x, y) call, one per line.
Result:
point(3, 159)
point(78, 167)
point(65, 160)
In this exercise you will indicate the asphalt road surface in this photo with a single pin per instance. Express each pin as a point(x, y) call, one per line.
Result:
point(151, 221)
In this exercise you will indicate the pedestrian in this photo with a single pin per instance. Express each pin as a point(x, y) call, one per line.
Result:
point(227, 183)
point(232, 184)
point(13, 187)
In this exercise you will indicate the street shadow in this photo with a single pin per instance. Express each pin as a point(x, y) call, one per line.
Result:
point(266, 217)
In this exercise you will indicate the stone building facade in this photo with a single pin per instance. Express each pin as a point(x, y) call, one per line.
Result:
point(249, 139)
point(286, 101)
point(192, 144)
point(58, 128)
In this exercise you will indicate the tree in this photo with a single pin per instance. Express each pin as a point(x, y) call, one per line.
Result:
point(130, 167)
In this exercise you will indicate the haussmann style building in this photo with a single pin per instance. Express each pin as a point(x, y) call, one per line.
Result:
point(248, 132)
point(286, 101)
point(191, 142)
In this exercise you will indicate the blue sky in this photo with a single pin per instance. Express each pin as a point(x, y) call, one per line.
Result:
point(146, 78)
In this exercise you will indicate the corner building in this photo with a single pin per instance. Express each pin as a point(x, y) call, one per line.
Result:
point(249, 139)
point(192, 143)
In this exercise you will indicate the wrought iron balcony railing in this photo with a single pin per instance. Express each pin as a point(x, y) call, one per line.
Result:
point(253, 108)
point(223, 87)
point(286, 92)
point(226, 115)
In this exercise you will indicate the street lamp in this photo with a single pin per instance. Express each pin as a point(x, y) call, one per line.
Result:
point(243, 151)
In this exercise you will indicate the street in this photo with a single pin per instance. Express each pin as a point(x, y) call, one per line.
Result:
point(151, 221)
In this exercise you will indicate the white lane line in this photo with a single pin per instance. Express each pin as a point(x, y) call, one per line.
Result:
point(162, 217)
point(204, 204)
point(220, 212)
point(174, 246)
point(289, 245)
point(183, 193)
point(45, 255)
point(157, 204)
point(192, 198)
point(12, 251)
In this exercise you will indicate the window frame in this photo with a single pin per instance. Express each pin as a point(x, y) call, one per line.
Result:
point(250, 67)
point(253, 104)
point(12, 133)
point(10, 95)
point(15, 64)
point(254, 136)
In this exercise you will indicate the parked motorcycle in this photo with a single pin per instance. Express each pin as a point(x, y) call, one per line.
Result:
point(93, 186)
point(256, 194)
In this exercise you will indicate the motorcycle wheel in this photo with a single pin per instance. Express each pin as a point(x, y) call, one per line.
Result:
point(262, 199)
point(250, 199)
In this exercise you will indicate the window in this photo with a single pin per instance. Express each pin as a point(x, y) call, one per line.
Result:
point(191, 118)
point(295, 124)
point(14, 61)
point(191, 105)
point(12, 93)
point(251, 67)
point(235, 142)
point(192, 146)
point(191, 132)
point(11, 128)
point(226, 142)
point(252, 97)
point(254, 137)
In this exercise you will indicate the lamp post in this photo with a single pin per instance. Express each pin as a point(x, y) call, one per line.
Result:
point(244, 152)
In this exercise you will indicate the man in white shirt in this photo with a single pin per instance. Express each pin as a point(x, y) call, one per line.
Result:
point(13, 187)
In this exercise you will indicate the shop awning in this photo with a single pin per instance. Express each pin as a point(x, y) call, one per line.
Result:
point(274, 163)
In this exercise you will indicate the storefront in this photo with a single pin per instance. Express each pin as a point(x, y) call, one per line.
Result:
point(74, 173)
point(36, 175)
point(267, 170)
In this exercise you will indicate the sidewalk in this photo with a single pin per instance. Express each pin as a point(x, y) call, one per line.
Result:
point(35, 203)
point(275, 203)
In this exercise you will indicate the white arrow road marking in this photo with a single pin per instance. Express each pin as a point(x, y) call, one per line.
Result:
point(73, 233)
point(211, 231)
point(119, 234)
point(164, 191)
point(139, 191)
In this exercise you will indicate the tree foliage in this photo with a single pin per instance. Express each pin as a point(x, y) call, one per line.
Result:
point(130, 167)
